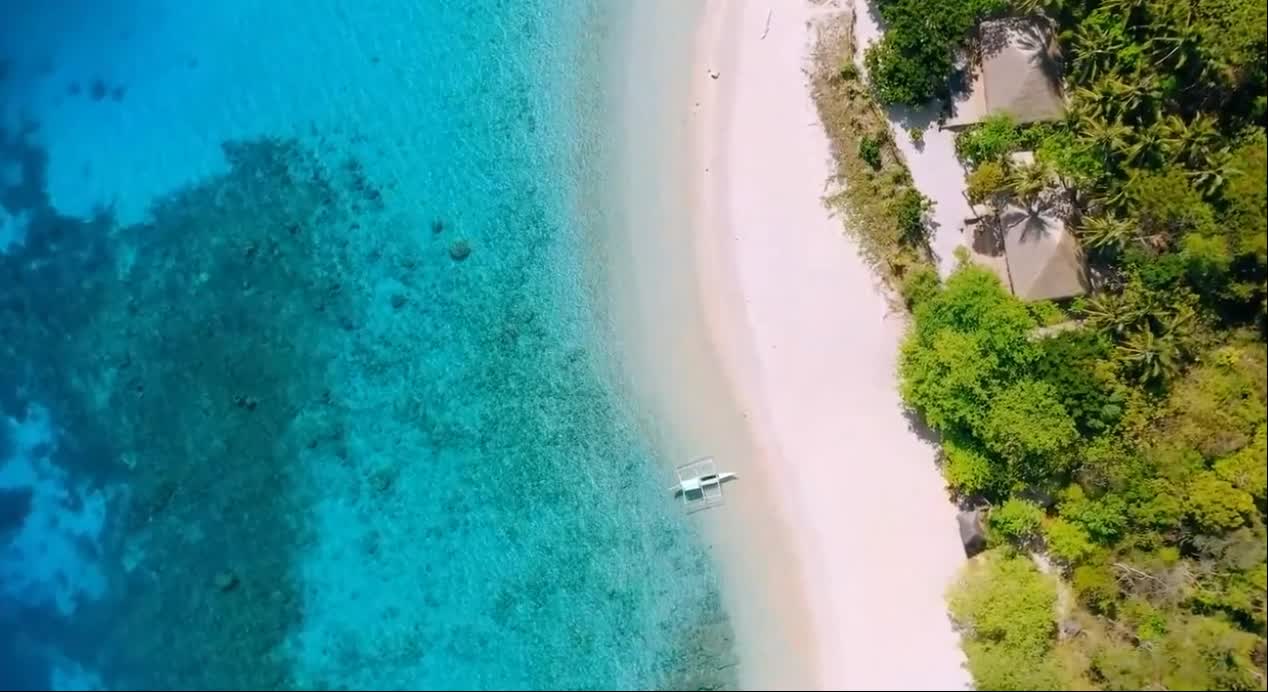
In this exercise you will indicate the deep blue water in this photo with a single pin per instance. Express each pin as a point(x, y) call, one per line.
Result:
point(302, 380)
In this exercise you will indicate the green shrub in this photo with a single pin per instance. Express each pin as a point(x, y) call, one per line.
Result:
point(1215, 506)
point(1068, 542)
point(920, 284)
point(970, 471)
point(870, 151)
point(1104, 518)
point(1027, 423)
point(987, 182)
point(917, 135)
point(1246, 469)
point(849, 72)
point(991, 140)
point(914, 59)
point(910, 215)
point(1096, 588)
point(1016, 521)
point(1006, 607)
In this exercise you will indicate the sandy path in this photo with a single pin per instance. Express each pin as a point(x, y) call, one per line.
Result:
point(809, 345)
point(934, 166)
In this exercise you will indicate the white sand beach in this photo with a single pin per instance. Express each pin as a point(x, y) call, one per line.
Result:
point(760, 336)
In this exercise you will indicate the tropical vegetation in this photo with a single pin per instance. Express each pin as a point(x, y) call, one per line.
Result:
point(1122, 459)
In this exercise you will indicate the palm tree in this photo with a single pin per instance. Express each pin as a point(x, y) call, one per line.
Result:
point(1096, 50)
point(1154, 358)
point(1114, 313)
point(1094, 103)
point(1193, 142)
point(1138, 95)
point(1124, 8)
point(1052, 7)
point(1178, 33)
point(1149, 147)
point(1029, 181)
point(1108, 137)
point(1210, 176)
point(1107, 232)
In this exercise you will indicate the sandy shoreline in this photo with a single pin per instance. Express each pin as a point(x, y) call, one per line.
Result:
point(809, 345)
point(750, 329)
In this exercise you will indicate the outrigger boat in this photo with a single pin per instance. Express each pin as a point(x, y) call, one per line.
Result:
point(700, 484)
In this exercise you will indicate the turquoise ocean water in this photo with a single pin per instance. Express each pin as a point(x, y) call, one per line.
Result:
point(303, 381)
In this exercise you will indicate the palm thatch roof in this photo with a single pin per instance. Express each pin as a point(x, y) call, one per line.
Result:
point(1045, 261)
point(1018, 73)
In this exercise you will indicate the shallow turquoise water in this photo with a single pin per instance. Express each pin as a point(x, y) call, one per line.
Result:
point(265, 421)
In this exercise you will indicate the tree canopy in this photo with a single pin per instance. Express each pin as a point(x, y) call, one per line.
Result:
point(1130, 448)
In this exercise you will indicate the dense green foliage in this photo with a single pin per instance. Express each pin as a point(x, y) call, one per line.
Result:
point(1130, 449)
point(1016, 521)
point(1149, 497)
point(1009, 612)
point(913, 60)
point(870, 151)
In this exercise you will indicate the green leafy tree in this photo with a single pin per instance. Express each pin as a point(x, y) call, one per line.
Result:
point(949, 378)
point(1068, 542)
point(1205, 653)
point(1076, 364)
point(970, 340)
point(1104, 518)
point(1016, 521)
point(1159, 505)
point(974, 302)
point(1246, 202)
point(913, 61)
point(970, 470)
point(1166, 204)
point(1006, 607)
point(1096, 588)
point(1215, 505)
point(1246, 469)
point(1027, 423)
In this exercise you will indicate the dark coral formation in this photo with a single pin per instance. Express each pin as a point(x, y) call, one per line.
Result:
point(15, 505)
point(205, 345)
point(194, 362)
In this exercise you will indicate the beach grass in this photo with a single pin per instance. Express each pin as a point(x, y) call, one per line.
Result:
point(872, 178)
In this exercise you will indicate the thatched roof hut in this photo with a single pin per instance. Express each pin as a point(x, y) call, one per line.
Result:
point(1018, 73)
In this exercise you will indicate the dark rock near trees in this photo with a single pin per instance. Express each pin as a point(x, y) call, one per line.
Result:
point(972, 531)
